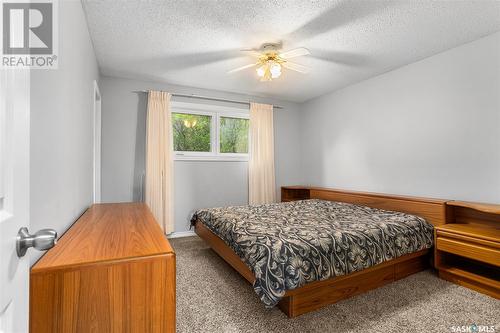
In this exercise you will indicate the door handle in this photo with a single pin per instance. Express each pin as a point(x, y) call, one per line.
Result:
point(42, 240)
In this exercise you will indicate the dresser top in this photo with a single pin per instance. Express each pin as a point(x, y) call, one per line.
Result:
point(107, 232)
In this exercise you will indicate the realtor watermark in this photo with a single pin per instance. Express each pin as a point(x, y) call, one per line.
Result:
point(473, 328)
point(29, 33)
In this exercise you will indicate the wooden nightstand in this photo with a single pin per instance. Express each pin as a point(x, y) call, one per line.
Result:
point(293, 193)
point(467, 248)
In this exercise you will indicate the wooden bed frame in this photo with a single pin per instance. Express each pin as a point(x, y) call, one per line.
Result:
point(318, 294)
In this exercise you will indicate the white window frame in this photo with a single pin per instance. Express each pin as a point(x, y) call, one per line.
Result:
point(216, 112)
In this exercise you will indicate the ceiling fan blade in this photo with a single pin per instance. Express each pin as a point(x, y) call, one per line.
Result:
point(298, 52)
point(252, 52)
point(296, 67)
point(241, 68)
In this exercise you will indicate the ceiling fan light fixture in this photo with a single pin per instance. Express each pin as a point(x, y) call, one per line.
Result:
point(270, 61)
point(261, 70)
point(275, 69)
point(269, 70)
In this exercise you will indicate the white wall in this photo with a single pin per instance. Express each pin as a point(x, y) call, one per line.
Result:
point(197, 184)
point(61, 128)
point(431, 128)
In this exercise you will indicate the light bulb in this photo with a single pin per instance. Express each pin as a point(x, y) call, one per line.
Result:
point(261, 70)
point(275, 69)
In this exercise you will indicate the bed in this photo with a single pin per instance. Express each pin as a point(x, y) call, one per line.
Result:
point(323, 246)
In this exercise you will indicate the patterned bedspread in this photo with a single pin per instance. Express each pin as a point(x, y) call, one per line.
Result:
point(287, 245)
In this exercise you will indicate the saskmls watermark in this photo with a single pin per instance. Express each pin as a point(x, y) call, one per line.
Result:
point(29, 33)
point(474, 328)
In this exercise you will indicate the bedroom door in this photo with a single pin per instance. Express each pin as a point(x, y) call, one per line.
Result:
point(97, 144)
point(14, 198)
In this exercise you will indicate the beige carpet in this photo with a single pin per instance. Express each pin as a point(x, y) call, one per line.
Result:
point(212, 297)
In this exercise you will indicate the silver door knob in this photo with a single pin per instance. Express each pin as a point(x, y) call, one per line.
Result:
point(42, 240)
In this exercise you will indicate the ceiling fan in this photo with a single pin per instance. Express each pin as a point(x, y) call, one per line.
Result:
point(270, 61)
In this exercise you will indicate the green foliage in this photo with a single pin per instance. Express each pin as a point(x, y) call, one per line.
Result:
point(189, 137)
point(192, 133)
point(233, 135)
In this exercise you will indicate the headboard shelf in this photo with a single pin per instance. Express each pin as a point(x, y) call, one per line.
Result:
point(483, 214)
point(433, 210)
point(480, 207)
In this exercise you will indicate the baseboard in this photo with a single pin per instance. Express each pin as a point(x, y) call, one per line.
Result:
point(180, 234)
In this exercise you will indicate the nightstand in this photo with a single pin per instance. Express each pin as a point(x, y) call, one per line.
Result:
point(467, 248)
point(293, 193)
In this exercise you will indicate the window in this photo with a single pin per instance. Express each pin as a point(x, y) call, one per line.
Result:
point(191, 132)
point(233, 135)
point(207, 132)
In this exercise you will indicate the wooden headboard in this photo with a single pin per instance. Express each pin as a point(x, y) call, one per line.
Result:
point(432, 210)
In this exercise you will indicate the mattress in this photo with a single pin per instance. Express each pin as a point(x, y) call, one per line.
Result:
point(287, 245)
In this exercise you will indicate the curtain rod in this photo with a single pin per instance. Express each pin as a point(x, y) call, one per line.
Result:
point(210, 98)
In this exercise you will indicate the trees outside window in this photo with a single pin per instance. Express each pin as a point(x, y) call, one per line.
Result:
point(191, 132)
point(233, 135)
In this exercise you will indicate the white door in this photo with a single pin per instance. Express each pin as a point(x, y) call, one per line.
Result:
point(14, 197)
point(97, 144)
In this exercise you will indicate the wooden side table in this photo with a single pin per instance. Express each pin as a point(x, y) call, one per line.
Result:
point(467, 248)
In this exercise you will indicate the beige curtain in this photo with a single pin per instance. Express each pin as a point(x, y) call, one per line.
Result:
point(261, 179)
point(159, 162)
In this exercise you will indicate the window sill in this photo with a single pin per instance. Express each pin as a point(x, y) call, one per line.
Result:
point(211, 158)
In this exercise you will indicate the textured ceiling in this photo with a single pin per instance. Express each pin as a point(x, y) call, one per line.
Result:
point(194, 43)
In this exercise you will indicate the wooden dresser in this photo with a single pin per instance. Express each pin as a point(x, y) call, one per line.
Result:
point(467, 250)
point(112, 271)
